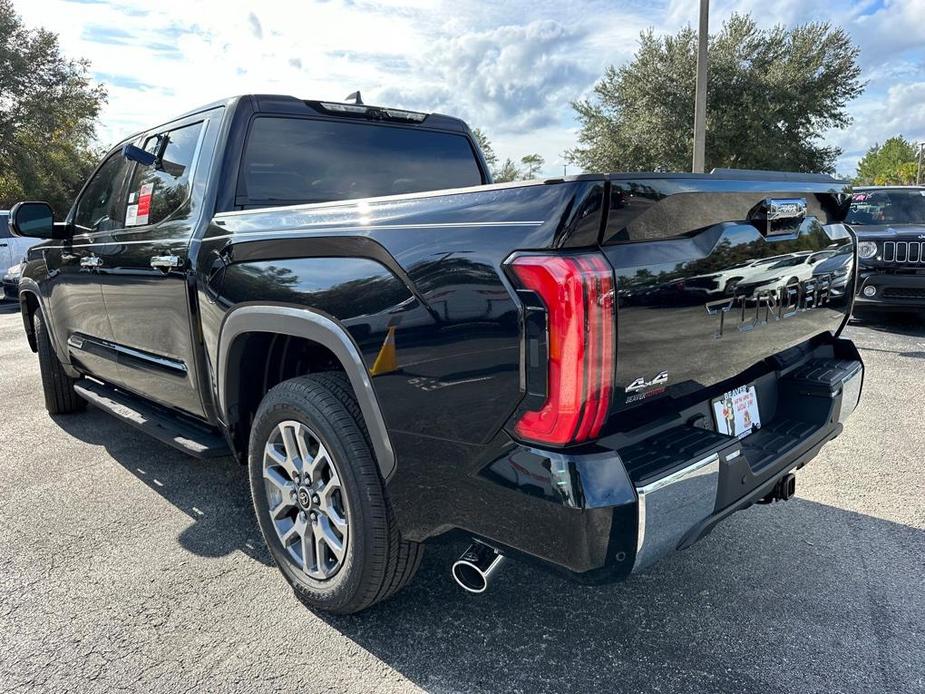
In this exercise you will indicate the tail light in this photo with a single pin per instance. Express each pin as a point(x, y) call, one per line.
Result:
point(577, 292)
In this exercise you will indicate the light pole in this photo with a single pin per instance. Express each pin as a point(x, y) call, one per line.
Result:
point(700, 93)
point(918, 168)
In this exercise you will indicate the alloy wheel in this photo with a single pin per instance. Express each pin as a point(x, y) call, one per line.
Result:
point(307, 506)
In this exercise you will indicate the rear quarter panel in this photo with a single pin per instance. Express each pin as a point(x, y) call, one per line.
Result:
point(421, 272)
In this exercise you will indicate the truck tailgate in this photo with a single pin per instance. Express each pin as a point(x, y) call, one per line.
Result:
point(715, 274)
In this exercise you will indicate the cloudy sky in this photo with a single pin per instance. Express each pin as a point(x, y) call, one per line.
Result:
point(510, 67)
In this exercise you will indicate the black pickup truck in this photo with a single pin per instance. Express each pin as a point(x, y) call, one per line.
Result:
point(586, 373)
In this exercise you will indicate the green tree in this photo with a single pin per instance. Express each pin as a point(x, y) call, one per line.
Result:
point(772, 94)
point(509, 171)
point(487, 152)
point(48, 112)
point(532, 164)
point(892, 163)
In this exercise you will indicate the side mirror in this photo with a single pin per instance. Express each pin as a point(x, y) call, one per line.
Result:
point(34, 220)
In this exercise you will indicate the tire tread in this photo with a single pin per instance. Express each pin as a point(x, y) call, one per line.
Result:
point(393, 561)
point(57, 386)
point(404, 557)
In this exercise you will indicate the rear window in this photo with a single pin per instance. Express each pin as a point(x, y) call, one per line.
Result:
point(289, 160)
point(888, 207)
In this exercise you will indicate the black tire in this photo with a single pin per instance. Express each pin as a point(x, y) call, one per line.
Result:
point(57, 386)
point(731, 283)
point(377, 561)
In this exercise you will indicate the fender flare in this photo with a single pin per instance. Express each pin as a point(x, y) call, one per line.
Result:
point(315, 326)
point(29, 286)
point(26, 315)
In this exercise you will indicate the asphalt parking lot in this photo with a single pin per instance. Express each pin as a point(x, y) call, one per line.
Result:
point(126, 566)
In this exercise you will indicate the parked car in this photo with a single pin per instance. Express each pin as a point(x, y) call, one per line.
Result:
point(10, 282)
point(890, 225)
point(725, 281)
point(399, 350)
point(792, 270)
point(839, 269)
point(12, 250)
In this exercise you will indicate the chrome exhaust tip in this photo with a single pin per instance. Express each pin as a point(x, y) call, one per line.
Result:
point(476, 566)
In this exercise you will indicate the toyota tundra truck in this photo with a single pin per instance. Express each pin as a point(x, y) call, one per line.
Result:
point(336, 295)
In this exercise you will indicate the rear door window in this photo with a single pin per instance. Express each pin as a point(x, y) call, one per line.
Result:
point(291, 160)
point(163, 189)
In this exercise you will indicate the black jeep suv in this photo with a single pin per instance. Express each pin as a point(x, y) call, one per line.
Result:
point(890, 227)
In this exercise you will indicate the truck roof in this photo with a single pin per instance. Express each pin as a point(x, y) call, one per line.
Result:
point(282, 103)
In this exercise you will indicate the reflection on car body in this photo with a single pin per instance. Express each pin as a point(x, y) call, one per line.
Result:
point(725, 281)
point(747, 312)
point(840, 266)
point(796, 268)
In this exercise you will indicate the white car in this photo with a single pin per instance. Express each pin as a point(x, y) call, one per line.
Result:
point(798, 266)
point(725, 281)
point(12, 249)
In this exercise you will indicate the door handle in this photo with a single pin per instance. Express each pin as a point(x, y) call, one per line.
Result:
point(165, 262)
point(91, 261)
point(2, 245)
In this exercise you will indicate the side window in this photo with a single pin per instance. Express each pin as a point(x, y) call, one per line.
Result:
point(4, 227)
point(102, 205)
point(159, 191)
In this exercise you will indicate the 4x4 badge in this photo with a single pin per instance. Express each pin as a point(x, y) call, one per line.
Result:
point(642, 384)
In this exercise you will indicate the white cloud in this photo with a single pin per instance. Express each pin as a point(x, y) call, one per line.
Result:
point(508, 79)
point(510, 67)
point(900, 111)
point(890, 30)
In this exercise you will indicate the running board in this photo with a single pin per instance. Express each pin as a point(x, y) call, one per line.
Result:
point(186, 436)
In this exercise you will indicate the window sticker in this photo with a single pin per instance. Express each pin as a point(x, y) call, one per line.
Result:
point(144, 203)
point(131, 215)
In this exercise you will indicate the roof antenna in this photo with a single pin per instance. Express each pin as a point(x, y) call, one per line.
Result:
point(356, 97)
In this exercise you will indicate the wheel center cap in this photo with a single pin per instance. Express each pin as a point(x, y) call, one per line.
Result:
point(305, 498)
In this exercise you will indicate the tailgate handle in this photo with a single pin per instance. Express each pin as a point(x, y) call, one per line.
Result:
point(778, 215)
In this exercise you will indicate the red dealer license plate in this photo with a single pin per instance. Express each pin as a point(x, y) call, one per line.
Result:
point(737, 413)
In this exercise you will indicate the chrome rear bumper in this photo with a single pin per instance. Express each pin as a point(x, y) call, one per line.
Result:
point(672, 509)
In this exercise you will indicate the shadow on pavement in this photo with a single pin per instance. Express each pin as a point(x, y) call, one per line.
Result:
point(7, 307)
point(795, 597)
point(911, 324)
point(215, 494)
